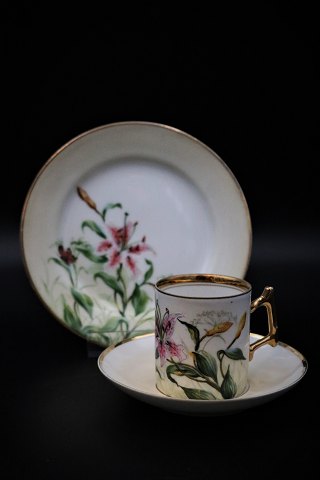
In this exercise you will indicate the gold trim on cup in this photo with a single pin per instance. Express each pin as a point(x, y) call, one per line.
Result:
point(213, 279)
point(266, 300)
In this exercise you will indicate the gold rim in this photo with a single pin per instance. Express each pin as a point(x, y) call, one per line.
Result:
point(208, 278)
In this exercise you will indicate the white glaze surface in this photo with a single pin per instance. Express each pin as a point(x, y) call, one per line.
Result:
point(272, 372)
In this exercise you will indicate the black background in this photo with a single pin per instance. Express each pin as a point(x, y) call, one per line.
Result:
point(244, 80)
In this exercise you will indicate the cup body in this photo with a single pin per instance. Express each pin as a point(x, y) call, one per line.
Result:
point(202, 336)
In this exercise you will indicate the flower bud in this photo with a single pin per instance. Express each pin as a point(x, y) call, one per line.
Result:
point(219, 328)
point(86, 198)
point(241, 325)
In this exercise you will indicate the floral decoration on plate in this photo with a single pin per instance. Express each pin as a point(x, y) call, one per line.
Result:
point(123, 309)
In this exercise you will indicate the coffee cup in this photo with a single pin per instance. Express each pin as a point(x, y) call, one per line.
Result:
point(202, 335)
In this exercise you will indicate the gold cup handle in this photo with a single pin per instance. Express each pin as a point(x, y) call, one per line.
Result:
point(266, 300)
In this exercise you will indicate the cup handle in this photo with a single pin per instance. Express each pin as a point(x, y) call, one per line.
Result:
point(266, 300)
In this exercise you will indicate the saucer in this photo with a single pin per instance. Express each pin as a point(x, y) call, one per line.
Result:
point(119, 207)
point(272, 372)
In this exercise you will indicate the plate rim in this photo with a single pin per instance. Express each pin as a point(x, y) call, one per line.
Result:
point(106, 126)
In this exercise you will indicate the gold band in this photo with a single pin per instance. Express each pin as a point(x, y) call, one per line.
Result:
point(166, 282)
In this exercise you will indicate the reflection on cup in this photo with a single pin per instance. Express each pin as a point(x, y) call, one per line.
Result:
point(202, 335)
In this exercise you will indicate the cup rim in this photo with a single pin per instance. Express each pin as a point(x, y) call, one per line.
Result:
point(212, 278)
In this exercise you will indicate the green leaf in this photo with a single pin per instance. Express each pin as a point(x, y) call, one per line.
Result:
point(88, 253)
point(124, 324)
point(158, 316)
point(234, 354)
point(70, 318)
point(194, 333)
point(109, 206)
point(181, 370)
point(228, 386)
point(59, 262)
point(80, 243)
point(172, 369)
point(111, 281)
point(83, 300)
point(139, 299)
point(94, 227)
point(149, 272)
point(206, 364)
point(99, 338)
point(197, 394)
point(110, 326)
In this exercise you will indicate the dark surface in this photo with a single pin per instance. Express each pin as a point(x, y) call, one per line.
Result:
point(64, 418)
point(247, 87)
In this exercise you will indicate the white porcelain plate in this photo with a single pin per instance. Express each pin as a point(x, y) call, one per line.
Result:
point(273, 370)
point(119, 207)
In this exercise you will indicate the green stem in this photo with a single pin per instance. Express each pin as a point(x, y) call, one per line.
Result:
point(76, 311)
point(122, 331)
point(202, 338)
point(100, 215)
point(206, 379)
point(125, 334)
point(209, 382)
point(140, 322)
point(124, 298)
point(123, 243)
point(230, 345)
point(220, 360)
point(71, 277)
point(75, 274)
point(222, 355)
point(115, 298)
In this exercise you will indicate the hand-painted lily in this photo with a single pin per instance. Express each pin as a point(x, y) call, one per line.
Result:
point(121, 248)
point(87, 264)
point(165, 345)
